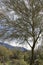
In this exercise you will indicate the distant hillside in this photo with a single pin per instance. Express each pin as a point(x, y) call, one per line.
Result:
point(12, 47)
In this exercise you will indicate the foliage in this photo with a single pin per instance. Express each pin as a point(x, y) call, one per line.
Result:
point(16, 57)
point(4, 53)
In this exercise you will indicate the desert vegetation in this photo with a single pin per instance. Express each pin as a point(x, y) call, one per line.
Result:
point(17, 57)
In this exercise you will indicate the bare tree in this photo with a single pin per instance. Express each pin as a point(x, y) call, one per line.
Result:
point(29, 23)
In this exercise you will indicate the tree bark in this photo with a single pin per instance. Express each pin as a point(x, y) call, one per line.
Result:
point(32, 57)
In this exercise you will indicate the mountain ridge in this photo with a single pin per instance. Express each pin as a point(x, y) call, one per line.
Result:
point(12, 47)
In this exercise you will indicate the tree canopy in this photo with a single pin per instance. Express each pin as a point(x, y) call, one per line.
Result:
point(29, 22)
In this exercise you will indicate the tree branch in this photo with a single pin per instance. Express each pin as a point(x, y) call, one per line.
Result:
point(36, 39)
point(29, 43)
point(38, 36)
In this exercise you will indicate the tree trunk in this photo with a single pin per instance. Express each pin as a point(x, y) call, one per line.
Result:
point(32, 57)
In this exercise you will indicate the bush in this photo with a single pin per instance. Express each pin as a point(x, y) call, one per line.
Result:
point(18, 62)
